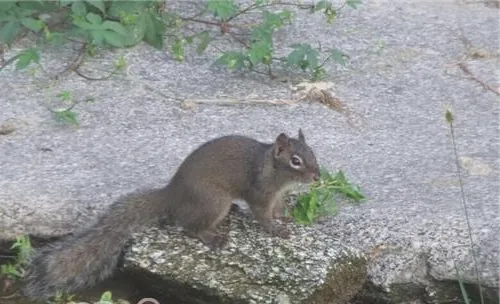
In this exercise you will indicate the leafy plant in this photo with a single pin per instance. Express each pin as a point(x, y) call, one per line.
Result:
point(16, 270)
point(306, 58)
point(61, 298)
point(106, 298)
point(67, 115)
point(321, 199)
point(101, 24)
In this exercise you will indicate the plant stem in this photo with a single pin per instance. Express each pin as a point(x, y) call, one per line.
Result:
point(466, 211)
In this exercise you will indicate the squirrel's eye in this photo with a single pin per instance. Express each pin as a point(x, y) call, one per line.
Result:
point(295, 161)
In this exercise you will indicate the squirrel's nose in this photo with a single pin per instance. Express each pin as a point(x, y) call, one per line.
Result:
point(315, 177)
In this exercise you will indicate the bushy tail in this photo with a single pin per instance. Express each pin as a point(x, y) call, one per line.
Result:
point(79, 261)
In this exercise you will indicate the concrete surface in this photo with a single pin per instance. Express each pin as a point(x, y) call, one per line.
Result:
point(402, 76)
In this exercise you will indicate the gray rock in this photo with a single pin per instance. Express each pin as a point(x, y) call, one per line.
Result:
point(401, 77)
point(310, 267)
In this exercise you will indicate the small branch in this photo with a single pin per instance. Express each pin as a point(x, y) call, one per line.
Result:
point(270, 72)
point(239, 40)
point(64, 110)
point(93, 78)
point(471, 52)
point(201, 21)
point(71, 67)
point(253, 6)
point(463, 66)
point(235, 101)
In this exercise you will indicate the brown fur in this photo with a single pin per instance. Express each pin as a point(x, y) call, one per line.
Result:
point(197, 198)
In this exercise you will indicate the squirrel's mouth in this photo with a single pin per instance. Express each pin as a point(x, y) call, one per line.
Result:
point(310, 178)
point(315, 177)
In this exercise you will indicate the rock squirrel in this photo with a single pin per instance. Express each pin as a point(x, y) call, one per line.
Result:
point(197, 198)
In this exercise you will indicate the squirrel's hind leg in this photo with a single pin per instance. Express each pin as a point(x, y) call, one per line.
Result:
point(206, 213)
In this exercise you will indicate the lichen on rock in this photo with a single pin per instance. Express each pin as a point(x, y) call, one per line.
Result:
point(310, 267)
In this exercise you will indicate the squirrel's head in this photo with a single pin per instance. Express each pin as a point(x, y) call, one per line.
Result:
point(295, 159)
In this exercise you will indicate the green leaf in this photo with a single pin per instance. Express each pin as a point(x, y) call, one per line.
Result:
point(262, 32)
point(9, 31)
point(223, 9)
point(303, 56)
point(85, 25)
point(325, 174)
point(259, 51)
point(448, 116)
point(318, 73)
point(106, 297)
point(67, 116)
point(115, 26)
point(204, 41)
point(233, 60)
point(79, 8)
point(321, 5)
point(358, 192)
point(32, 24)
point(135, 33)
point(340, 177)
point(339, 57)
point(178, 49)
point(313, 206)
point(114, 39)
point(296, 56)
point(320, 200)
point(312, 59)
point(154, 29)
point(98, 37)
point(330, 14)
point(64, 96)
point(299, 211)
point(94, 18)
point(6, 6)
point(353, 3)
point(63, 3)
point(26, 57)
point(27, 8)
point(99, 4)
point(331, 207)
point(118, 8)
point(272, 19)
point(286, 16)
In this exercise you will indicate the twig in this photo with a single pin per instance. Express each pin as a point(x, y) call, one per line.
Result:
point(238, 39)
point(254, 6)
point(201, 21)
point(235, 101)
point(463, 66)
point(64, 110)
point(94, 78)
point(470, 52)
point(71, 67)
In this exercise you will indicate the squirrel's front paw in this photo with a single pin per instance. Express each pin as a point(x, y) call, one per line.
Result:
point(212, 239)
point(219, 241)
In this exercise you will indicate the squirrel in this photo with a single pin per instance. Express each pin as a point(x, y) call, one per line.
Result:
point(197, 198)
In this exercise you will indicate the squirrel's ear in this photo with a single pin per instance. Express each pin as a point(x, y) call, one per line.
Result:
point(301, 136)
point(282, 143)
